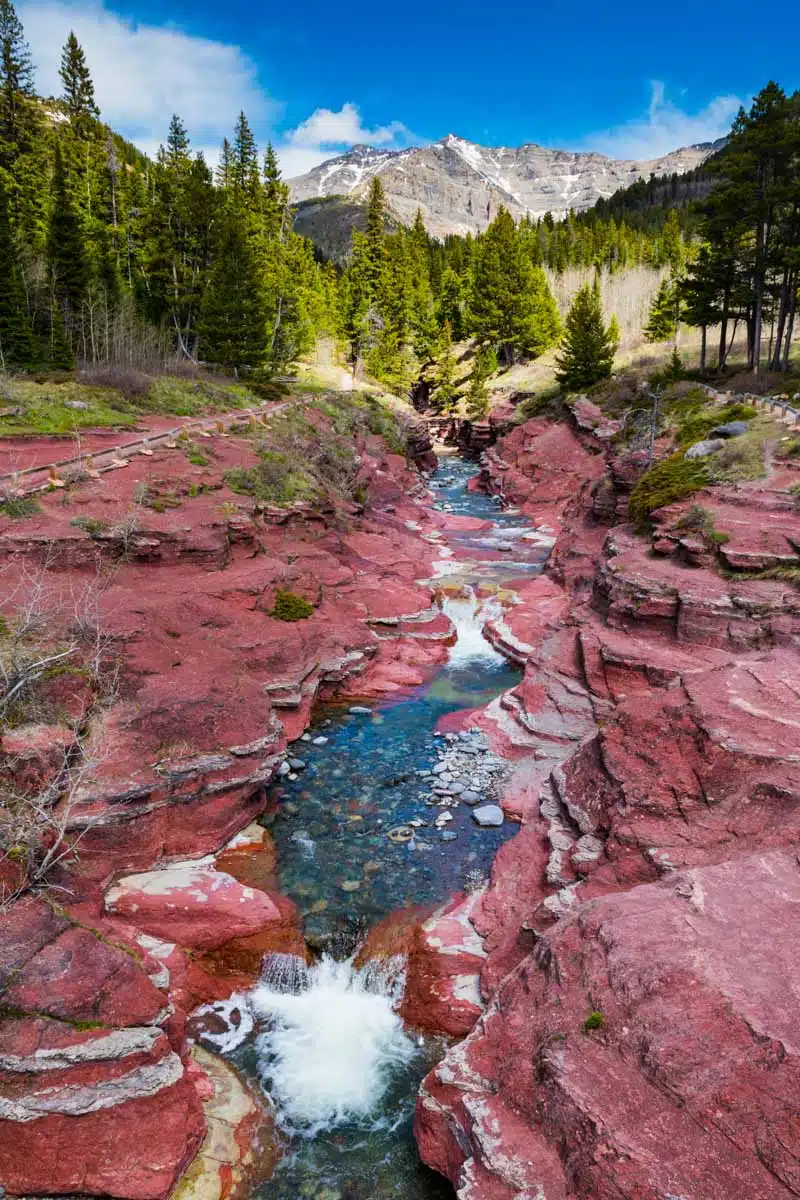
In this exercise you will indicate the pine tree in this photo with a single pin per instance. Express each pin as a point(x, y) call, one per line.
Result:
point(233, 314)
point(451, 304)
point(224, 172)
point(66, 249)
point(18, 346)
point(445, 393)
point(662, 319)
point(244, 163)
point(176, 153)
point(17, 118)
point(699, 298)
point(484, 365)
point(587, 353)
point(375, 247)
point(277, 215)
point(78, 93)
point(511, 305)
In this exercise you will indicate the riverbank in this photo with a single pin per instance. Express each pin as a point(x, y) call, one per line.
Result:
point(638, 932)
point(174, 691)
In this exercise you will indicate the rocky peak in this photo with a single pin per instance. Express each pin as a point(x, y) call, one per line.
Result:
point(460, 185)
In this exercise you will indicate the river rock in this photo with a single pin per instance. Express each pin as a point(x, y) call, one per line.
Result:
point(468, 796)
point(360, 710)
point(488, 815)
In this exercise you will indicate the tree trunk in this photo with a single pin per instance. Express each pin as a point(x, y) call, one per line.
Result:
point(776, 347)
point(703, 336)
point(723, 329)
point(790, 326)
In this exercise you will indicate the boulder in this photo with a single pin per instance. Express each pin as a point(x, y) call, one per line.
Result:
point(705, 448)
point(730, 429)
point(192, 905)
point(442, 993)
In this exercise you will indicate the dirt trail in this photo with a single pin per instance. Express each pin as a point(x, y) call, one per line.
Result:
point(26, 463)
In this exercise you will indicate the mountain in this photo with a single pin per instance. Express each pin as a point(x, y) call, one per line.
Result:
point(459, 185)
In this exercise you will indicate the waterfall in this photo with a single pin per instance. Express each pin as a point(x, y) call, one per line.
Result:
point(332, 1041)
point(469, 615)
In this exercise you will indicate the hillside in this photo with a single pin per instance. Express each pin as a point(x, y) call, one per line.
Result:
point(459, 186)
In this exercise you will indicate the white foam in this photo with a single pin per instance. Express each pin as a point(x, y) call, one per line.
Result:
point(328, 1056)
point(469, 615)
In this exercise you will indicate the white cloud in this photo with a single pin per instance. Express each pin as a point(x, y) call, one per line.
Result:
point(143, 73)
point(666, 127)
point(326, 133)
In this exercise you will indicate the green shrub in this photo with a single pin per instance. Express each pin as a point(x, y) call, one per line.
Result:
point(89, 524)
point(18, 507)
point(595, 1020)
point(664, 483)
point(290, 607)
point(697, 424)
point(742, 457)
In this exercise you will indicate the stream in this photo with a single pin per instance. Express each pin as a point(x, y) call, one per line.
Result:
point(360, 833)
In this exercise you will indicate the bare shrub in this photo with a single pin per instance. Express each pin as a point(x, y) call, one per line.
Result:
point(128, 380)
point(45, 630)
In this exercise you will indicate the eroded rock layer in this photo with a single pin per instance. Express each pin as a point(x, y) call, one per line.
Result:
point(638, 976)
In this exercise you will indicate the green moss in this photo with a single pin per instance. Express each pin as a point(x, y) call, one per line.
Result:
point(45, 408)
point(595, 1020)
point(194, 397)
point(290, 607)
point(667, 481)
point(19, 507)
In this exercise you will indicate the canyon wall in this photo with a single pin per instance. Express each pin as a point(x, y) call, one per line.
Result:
point(635, 957)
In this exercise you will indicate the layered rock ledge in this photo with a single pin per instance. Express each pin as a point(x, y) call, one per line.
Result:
point(634, 946)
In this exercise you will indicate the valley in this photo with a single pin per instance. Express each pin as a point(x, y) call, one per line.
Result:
point(399, 634)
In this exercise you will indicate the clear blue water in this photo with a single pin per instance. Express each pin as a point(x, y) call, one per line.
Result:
point(337, 863)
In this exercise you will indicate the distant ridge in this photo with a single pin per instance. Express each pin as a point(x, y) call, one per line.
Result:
point(460, 185)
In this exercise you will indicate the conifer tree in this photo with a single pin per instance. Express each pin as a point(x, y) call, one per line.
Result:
point(374, 234)
point(511, 305)
point(233, 314)
point(18, 122)
point(244, 163)
point(66, 250)
point(176, 153)
point(224, 172)
point(445, 393)
point(451, 304)
point(18, 346)
point(587, 353)
point(78, 93)
point(662, 319)
point(483, 366)
point(614, 334)
point(277, 215)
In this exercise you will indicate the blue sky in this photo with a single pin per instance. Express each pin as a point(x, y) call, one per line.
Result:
point(316, 77)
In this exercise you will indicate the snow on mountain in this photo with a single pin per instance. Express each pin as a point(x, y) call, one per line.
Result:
point(460, 185)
